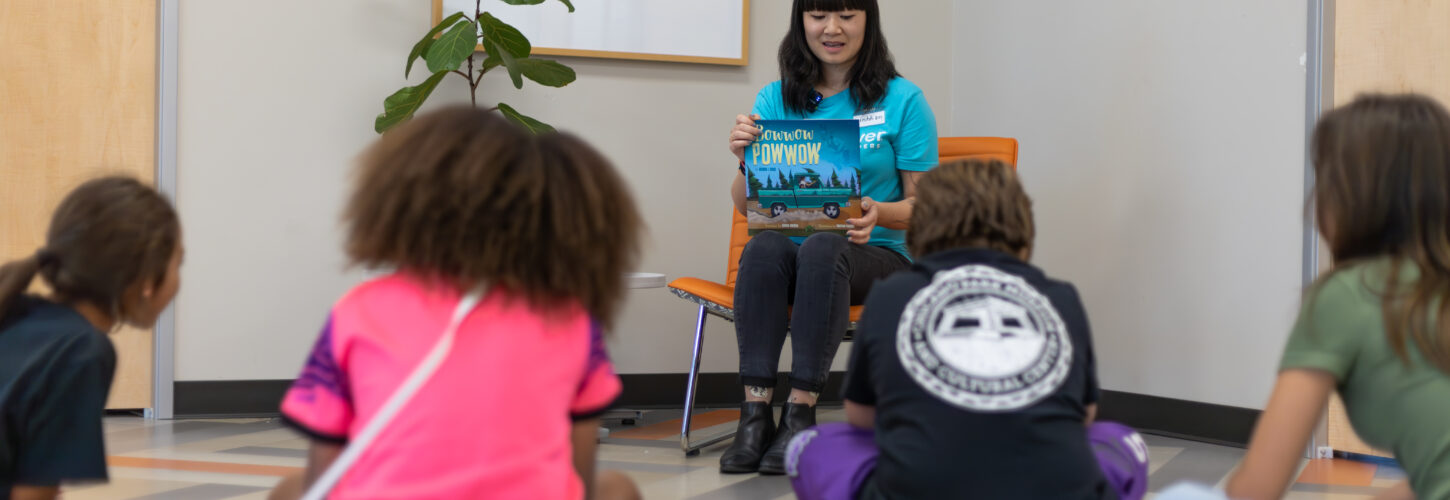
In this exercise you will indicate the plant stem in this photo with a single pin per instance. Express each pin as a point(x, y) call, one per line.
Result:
point(472, 84)
point(472, 81)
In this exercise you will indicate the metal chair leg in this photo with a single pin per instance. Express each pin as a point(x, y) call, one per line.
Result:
point(690, 385)
point(692, 448)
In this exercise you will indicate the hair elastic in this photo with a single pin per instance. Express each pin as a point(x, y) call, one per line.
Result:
point(45, 257)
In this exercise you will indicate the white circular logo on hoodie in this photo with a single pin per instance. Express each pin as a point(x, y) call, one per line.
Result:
point(984, 340)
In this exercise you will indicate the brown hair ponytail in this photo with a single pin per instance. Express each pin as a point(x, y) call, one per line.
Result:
point(105, 236)
point(15, 278)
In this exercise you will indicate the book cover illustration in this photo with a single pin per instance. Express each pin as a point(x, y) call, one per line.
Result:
point(803, 177)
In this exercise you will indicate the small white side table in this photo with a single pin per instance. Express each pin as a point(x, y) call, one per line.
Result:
point(644, 280)
point(634, 281)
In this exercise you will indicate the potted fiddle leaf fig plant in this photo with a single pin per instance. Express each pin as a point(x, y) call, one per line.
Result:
point(453, 42)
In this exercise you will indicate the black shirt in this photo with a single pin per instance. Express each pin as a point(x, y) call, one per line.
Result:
point(980, 368)
point(55, 375)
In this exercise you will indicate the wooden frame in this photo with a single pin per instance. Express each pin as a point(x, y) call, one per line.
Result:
point(743, 60)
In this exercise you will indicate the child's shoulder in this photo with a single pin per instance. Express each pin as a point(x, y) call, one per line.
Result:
point(1051, 284)
point(900, 285)
point(41, 321)
point(403, 292)
point(1062, 293)
point(993, 267)
point(888, 299)
point(388, 297)
point(388, 288)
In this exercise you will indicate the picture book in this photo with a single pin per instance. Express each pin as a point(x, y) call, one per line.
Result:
point(803, 177)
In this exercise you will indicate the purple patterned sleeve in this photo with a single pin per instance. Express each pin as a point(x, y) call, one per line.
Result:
point(600, 386)
point(320, 401)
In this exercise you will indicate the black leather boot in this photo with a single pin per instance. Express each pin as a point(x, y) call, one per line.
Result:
point(793, 418)
point(752, 435)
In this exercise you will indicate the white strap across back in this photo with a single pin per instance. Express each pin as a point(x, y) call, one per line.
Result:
point(359, 444)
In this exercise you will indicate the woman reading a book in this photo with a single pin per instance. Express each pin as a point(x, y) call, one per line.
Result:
point(834, 65)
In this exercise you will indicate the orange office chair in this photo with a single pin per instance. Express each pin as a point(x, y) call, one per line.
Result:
point(956, 148)
point(719, 299)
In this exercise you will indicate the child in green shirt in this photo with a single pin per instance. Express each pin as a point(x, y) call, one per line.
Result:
point(1375, 328)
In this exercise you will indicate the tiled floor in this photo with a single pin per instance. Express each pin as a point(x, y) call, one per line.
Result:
point(242, 459)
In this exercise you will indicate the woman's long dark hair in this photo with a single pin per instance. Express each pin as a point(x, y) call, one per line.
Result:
point(800, 70)
point(1382, 190)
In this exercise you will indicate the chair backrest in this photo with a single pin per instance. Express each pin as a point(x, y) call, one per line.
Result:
point(948, 148)
point(1001, 148)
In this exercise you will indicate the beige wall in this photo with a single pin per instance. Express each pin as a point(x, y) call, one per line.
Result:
point(277, 100)
point(1163, 145)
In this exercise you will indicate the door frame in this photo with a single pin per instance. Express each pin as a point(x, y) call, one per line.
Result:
point(1319, 97)
point(167, 55)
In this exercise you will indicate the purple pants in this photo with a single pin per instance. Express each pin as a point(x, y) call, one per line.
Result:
point(832, 461)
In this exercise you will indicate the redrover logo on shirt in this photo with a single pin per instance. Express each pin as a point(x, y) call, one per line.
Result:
point(872, 140)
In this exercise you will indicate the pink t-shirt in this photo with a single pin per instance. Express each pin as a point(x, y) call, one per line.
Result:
point(494, 421)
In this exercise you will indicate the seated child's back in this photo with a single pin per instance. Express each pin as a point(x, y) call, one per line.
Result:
point(494, 418)
point(460, 200)
point(982, 389)
point(972, 374)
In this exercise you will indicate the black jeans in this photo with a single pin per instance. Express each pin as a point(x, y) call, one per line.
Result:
point(822, 277)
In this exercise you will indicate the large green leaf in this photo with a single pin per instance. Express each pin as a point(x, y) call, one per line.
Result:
point(526, 122)
point(503, 56)
point(546, 72)
point(421, 47)
point(400, 106)
point(504, 36)
point(454, 47)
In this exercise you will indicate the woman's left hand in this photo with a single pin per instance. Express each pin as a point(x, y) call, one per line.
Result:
point(864, 225)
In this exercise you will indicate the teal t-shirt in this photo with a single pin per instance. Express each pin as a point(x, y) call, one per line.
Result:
point(899, 133)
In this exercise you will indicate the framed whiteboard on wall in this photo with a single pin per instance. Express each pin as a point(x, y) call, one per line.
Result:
point(692, 31)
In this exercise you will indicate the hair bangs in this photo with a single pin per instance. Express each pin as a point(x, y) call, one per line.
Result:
point(835, 5)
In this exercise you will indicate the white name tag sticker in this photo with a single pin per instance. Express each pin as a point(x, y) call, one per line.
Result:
point(875, 118)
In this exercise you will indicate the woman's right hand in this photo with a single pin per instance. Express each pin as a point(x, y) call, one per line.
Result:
point(744, 134)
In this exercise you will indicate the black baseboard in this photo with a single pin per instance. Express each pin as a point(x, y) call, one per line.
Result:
point(1150, 414)
point(228, 398)
point(1219, 424)
point(261, 398)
